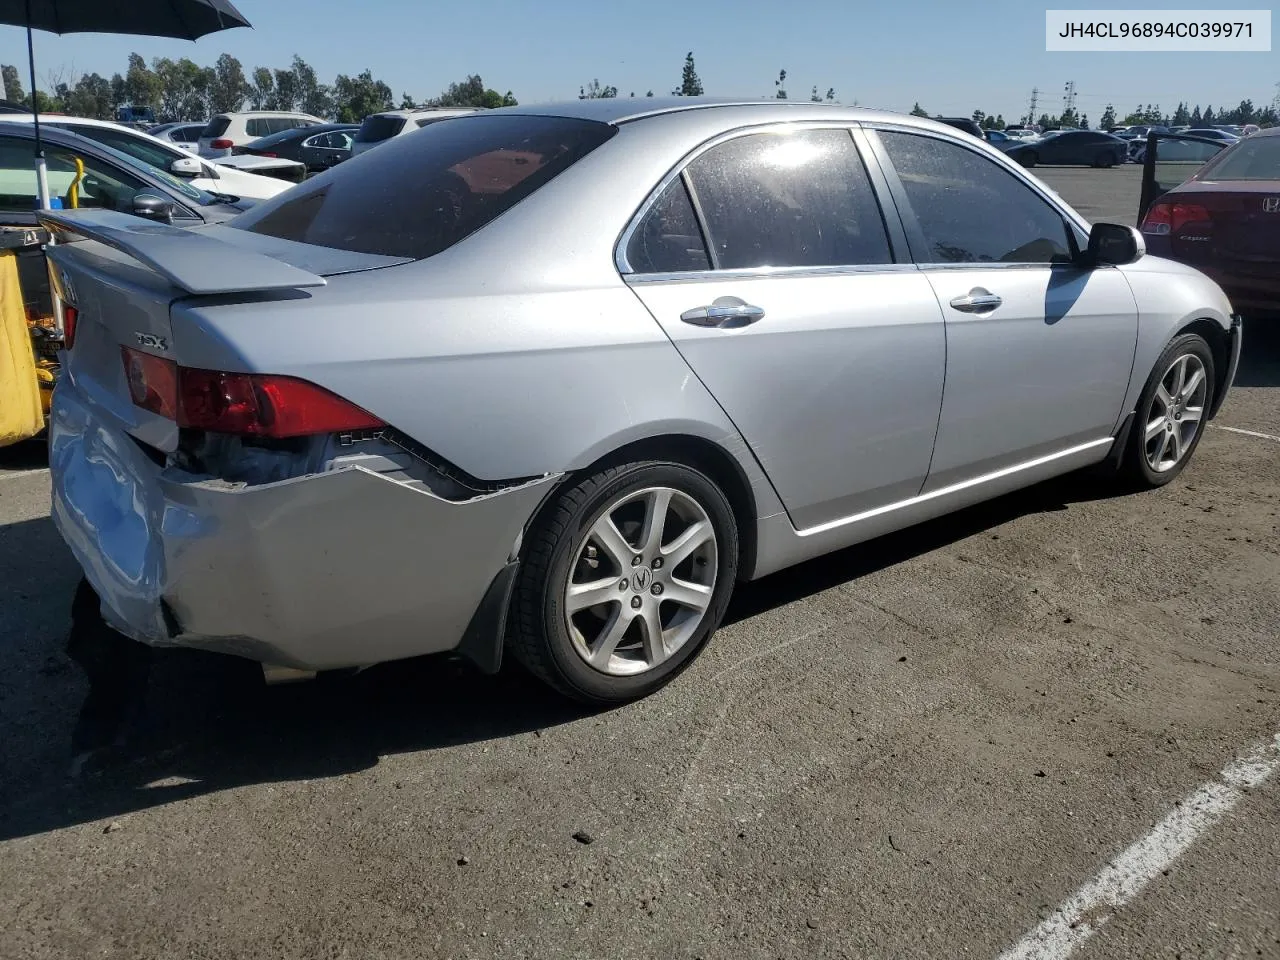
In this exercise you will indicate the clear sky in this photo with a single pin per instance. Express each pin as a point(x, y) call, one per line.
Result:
point(953, 57)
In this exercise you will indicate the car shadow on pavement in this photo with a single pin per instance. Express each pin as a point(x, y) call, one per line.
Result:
point(1260, 354)
point(210, 724)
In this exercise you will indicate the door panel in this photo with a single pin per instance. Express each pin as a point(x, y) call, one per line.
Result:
point(1045, 370)
point(1039, 350)
point(837, 387)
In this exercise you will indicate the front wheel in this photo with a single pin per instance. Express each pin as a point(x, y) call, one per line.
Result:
point(625, 578)
point(1029, 160)
point(1171, 413)
point(1105, 160)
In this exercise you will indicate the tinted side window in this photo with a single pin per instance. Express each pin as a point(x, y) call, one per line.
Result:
point(103, 186)
point(216, 127)
point(970, 210)
point(789, 200)
point(257, 127)
point(669, 239)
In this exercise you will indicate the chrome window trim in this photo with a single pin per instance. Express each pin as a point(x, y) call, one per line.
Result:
point(999, 159)
point(765, 273)
point(772, 127)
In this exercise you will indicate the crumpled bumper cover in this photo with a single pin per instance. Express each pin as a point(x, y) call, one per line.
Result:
point(339, 569)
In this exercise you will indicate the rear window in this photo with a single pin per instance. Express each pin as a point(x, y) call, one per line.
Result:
point(1257, 158)
point(216, 127)
point(423, 193)
point(375, 129)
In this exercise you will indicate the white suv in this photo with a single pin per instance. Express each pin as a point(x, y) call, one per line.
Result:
point(379, 127)
point(227, 130)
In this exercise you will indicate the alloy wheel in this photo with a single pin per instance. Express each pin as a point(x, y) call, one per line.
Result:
point(641, 581)
point(1176, 413)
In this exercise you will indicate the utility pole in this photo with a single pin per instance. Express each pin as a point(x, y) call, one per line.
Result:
point(1031, 110)
point(1069, 98)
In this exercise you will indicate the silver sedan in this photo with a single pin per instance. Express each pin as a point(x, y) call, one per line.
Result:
point(553, 380)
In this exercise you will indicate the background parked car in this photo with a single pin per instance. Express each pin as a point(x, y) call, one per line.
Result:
point(227, 130)
point(318, 147)
point(1221, 216)
point(1000, 139)
point(965, 124)
point(219, 178)
point(1091, 148)
point(185, 135)
point(1211, 133)
point(380, 127)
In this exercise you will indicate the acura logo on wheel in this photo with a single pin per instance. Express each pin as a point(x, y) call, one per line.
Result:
point(1271, 205)
point(640, 580)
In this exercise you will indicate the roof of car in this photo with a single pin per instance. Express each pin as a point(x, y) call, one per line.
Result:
point(620, 110)
point(420, 110)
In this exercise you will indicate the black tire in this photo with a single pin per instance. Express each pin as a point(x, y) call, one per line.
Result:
point(1029, 159)
point(1135, 470)
point(1105, 161)
point(539, 636)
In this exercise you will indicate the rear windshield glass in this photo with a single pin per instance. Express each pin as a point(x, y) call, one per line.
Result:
point(1257, 158)
point(216, 127)
point(422, 193)
point(379, 128)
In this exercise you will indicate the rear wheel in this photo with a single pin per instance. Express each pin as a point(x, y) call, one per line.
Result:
point(624, 580)
point(1170, 418)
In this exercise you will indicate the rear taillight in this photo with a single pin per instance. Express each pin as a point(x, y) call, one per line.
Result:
point(70, 315)
point(1170, 216)
point(222, 143)
point(253, 405)
point(153, 382)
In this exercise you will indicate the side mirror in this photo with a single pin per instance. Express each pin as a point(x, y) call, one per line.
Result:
point(186, 167)
point(1113, 244)
point(153, 208)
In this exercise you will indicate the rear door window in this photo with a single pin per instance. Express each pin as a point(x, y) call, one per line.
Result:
point(258, 127)
point(798, 199)
point(669, 239)
point(463, 174)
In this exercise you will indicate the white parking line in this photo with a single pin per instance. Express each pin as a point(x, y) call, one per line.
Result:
point(1247, 433)
point(14, 474)
point(1124, 878)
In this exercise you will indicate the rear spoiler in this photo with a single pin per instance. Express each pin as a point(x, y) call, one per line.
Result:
point(200, 265)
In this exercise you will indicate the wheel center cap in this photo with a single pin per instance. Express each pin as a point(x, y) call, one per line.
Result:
point(641, 579)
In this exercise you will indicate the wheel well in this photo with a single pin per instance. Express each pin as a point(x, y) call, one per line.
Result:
point(1220, 346)
point(703, 455)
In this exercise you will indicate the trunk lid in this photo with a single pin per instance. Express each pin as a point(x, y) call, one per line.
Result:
point(122, 275)
point(1243, 226)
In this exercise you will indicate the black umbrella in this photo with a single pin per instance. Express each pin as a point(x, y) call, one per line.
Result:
point(181, 19)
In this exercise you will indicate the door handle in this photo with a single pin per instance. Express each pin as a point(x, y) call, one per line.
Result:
point(976, 300)
point(725, 312)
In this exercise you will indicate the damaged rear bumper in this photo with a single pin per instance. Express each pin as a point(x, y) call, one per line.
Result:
point(330, 570)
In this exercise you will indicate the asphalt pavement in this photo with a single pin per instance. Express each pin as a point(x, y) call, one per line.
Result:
point(1043, 726)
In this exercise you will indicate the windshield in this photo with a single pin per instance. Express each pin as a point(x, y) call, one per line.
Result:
point(1257, 158)
point(179, 187)
point(378, 128)
point(464, 174)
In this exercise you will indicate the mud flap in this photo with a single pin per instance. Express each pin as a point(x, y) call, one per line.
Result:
point(483, 641)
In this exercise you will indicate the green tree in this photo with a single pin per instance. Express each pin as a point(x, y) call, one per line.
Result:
point(1181, 116)
point(118, 88)
point(1044, 122)
point(649, 94)
point(593, 91)
point(1208, 119)
point(472, 92)
point(978, 117)
point(314, 97)
point(184, 89)
point(12, 84)
point(1108, 118)
point(286, 95)
point(690, 83)
point(831, 94)
point(781, 85)
point(262, 89)
point(142, 87)
point(919, 111)
point(357, 97)
point(1084, 121)
point(91, 97)
point(228, 88)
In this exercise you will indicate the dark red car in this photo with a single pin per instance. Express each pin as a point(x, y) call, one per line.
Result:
point(1224, 219)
